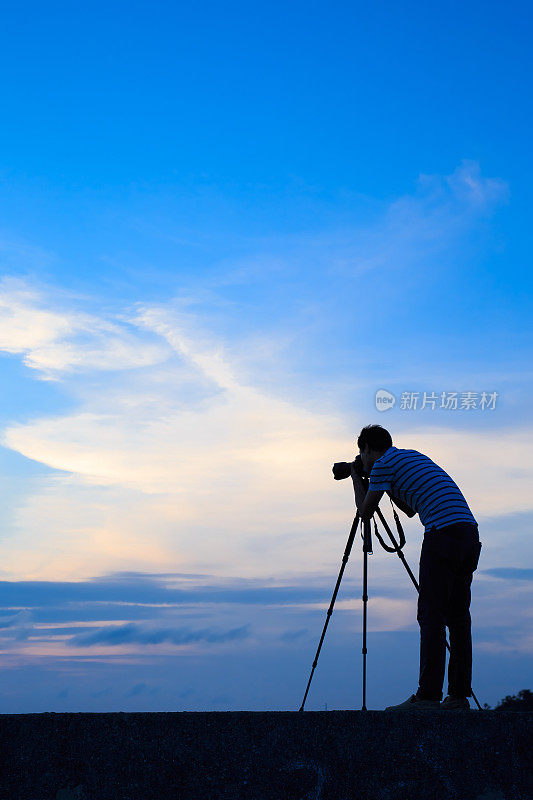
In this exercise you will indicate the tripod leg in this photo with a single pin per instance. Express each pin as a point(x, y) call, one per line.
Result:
point(365, 598)
point(367, 548)
point(345, 558)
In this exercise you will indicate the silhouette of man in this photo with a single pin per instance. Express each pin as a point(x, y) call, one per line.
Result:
point(448, 559)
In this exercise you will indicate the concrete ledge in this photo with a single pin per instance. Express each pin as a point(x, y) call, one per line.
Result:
point(326, 755)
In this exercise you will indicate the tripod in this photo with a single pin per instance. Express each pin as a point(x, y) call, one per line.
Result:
point(367, 548)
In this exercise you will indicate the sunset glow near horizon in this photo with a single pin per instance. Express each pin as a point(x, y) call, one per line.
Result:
point(228, 234)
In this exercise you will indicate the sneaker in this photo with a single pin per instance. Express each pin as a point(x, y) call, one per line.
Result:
point(415, 704)
point(455, 703)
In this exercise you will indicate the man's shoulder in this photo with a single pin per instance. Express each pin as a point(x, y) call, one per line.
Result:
point(394, 452)
point(405, 450)
point(387, 456)
point(399, 454)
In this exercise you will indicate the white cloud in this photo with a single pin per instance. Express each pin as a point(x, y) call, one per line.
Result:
point(412, 231)
point(184, 459)
point(240, 464)
point(472, 189)
point(54, 342)
point(242, 478)
point(444, 205)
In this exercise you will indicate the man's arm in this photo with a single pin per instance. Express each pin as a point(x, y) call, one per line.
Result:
point(366, 502)
point(402, 506)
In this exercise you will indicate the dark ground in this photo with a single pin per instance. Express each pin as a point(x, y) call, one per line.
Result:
point(325, 755)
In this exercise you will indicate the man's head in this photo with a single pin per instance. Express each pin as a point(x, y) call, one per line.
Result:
point(372, 443)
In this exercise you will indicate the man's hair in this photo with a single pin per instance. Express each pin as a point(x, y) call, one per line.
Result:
point(376, 437)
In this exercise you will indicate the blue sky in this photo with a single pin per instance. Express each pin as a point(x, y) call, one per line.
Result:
point(223, 229)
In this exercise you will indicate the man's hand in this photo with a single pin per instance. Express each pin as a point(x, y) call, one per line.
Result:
point(359, 489)
point(366, 502)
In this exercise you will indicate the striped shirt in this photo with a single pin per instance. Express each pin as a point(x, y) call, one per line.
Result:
point(423, 485)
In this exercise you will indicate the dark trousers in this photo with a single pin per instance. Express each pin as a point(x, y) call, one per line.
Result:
point(448, 559)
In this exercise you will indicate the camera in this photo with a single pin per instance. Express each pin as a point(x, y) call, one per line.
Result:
point(343, 469)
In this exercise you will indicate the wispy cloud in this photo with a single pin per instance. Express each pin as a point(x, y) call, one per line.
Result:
point(17, 627)
point(406, 234)
point(253, 454)
point(174, 454)
point(142, 688)
point(138, 634)
point(150, 591)
point(471, 188)
point(510, 573)
point(293, 636)
point(54, 342)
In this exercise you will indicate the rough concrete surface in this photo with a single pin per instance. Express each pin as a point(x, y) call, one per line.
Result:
point(325, 755)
